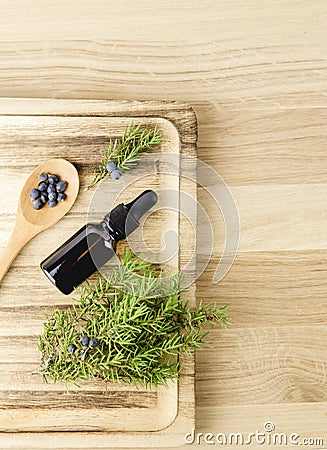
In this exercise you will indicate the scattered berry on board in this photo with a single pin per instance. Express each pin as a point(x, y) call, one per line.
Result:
point(49, 190)
point(111, 166)
point(112, 169)
point(115, 174)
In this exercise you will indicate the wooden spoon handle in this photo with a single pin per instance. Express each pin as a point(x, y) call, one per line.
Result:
point(22, 233)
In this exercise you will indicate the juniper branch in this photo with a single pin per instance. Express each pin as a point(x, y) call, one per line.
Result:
point(137, 140)
point(140, 336)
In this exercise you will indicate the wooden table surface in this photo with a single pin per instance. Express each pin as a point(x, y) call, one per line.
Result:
point(255, 73)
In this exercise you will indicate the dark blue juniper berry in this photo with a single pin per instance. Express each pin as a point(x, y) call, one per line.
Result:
point(44, 197)
point(37, 204)
point(84, 340)
point(52, 196)
point(115, 174)
point(49, 190)
point(43, 177)
point(61, 186)
point(111, 166)
point(71, 348)
point(53, 179)
point(93, 342)
point(84, 354)
point(61, 196)
point(34, 194)
point(52, 203)
point(42, 186)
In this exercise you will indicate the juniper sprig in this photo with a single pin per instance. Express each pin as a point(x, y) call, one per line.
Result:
point(139, 338)
point(137, 140)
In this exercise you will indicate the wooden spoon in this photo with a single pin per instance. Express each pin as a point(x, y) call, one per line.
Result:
point(30, 222)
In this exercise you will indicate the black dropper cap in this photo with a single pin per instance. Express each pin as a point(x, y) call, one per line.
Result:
point(124, 219)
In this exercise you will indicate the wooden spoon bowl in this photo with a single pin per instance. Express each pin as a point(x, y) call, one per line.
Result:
point(30, 222)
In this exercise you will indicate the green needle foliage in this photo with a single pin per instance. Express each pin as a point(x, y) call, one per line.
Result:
point(137, 140)
point(140, 337)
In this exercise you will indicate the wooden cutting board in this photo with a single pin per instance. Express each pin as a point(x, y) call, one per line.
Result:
point(38, 415)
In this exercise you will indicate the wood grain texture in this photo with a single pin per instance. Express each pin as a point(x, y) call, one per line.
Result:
point(255, 73)
point(267, 288)
point(228, 53)
point(290, 362)
point(264, 147)
point(25, 403)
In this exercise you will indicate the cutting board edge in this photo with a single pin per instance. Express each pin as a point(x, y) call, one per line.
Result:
point(185, 122)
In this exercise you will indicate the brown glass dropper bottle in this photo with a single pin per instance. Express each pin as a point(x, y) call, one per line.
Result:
point(94, 244)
